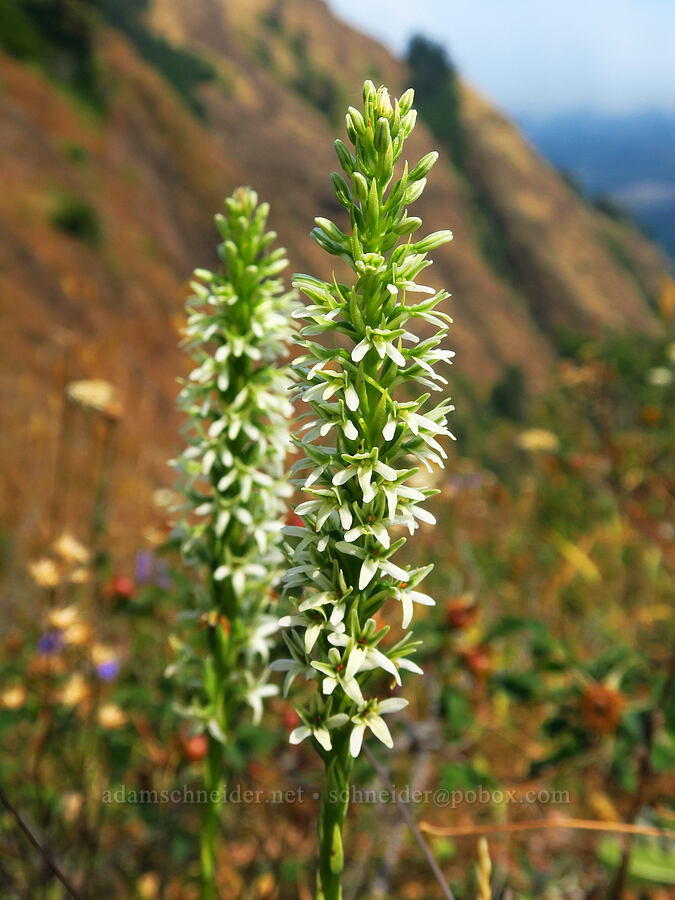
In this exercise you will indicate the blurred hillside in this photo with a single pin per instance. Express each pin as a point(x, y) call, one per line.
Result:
point(629, 158)
point(122, 126)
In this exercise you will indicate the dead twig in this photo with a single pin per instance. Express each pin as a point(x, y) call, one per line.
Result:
point(44, 853)
point(405, 813)
point(546, 824)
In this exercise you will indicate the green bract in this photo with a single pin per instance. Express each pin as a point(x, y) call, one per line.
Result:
point(358, 383)
point(232, 474)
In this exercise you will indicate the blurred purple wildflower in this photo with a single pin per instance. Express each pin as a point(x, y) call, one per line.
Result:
point(108, 670)
point(145, 564)
point(162, 577)
point(50, 642)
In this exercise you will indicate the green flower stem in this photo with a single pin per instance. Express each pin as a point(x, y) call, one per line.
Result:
point(213, 775)
point(213, 781)
point(334, 806)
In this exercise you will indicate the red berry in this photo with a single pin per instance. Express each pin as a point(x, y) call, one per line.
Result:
point(460, 613)
point(194, 748)
point(290, 718)
point(121, 586)
point(478, 661)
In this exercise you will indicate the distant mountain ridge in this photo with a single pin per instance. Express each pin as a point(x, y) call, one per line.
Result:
point(628, 157)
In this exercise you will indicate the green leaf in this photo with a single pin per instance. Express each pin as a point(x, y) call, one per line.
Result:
point(649, 860)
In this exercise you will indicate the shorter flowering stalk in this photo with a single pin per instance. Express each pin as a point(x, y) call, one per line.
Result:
point(365, 433)
point(232, 479)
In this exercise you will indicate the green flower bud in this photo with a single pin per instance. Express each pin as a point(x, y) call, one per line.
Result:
point(386, 166)
point(347, 161)
point(406, 101)
point(383, 105)
point(382, 136)
point(331, 229)
point(437, 239)
point(373, 207)
point(407, 225)
point(414, 191)
point(424, 166)
point(361, 188)
point(369, 95)
point(351, 131)
point(341, 190)
point(408, 122)
point(357, 120)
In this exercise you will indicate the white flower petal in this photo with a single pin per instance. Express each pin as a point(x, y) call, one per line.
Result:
point(410, 666)
point(394, 354)
point(344, 475)
point(424, 599)
point(407, 607)
point(352, 690)
point(389, 430)
point(350, 431)
point(345, 517)
point(337, 721)
point(360, 350)
point(365, 474)
point(381, 534)
point(356, 740)
point(311, 634)
point(386, 471)
point(379, 728)
point(328, 686)
point(384, 663)
point(356, 658)
point(423, 514)
point(391, 705)
point(351, 398)
point(323, 737)
point(299, 734)
point(368, 570)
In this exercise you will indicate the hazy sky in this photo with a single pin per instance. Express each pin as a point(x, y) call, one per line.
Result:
point(539, 56)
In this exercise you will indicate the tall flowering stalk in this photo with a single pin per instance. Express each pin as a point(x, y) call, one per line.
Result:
point(232, 479)
point(359, 383)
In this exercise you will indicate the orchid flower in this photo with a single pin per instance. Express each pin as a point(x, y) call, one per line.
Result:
point(361, 440)
point(231, 475)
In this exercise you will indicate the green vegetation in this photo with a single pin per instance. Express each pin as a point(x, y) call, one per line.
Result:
point(182, 69)
point(57, 36)
point(78, 218)
point(273, 18)
point(75, 152)
point(60, 37)
point(438, 94)
point(318, 88)
point(509, 394)
point(619, 250)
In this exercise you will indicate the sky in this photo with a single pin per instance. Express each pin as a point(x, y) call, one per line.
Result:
point(539, 58)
